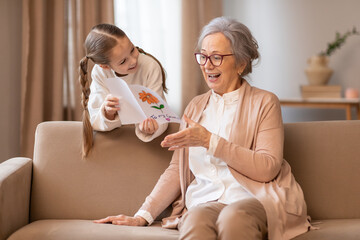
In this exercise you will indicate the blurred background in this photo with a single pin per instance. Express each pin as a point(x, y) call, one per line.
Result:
point(41, 45)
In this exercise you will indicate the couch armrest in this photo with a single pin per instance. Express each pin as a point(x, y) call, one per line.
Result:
point(15, 182)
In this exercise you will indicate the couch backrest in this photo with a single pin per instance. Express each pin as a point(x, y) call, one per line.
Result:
point(119, 173)
point(121, 170)
point(325, 159)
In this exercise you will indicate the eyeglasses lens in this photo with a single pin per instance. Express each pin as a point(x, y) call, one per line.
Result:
point(214, 59)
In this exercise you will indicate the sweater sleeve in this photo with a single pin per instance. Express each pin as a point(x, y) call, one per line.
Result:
point(263, 161)
point(167, 188)
point(149, 137)
point(98, 93)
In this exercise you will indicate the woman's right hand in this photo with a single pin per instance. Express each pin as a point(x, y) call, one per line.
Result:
point(123, 220)
point(111, 106)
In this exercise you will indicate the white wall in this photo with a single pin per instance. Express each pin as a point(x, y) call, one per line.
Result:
point(288, 33)
point(10, 68)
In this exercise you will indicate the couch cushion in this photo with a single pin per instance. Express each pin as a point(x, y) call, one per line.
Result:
point(83, 229)
point(325, 160)
point(119, 173)
point(341, 229)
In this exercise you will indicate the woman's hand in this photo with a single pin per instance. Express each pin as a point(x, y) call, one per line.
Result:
point(149, 126)
point(193, 136)
point(111, 106)
point(123, 220)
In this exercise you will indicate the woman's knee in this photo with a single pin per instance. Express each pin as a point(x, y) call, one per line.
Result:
point(198, 216)
point(198, 223)
point(193, 216)
point(231, 216)
point(242, 216)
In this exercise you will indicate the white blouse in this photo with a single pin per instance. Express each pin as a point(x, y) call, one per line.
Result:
point(213, 179)
point(148, 75)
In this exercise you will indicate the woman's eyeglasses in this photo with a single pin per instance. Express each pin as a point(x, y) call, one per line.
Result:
point(215, 59)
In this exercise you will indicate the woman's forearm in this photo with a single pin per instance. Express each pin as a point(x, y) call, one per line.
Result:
point(261, 164)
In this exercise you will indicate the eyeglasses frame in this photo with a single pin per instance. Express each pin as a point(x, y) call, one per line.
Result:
point(208, 57)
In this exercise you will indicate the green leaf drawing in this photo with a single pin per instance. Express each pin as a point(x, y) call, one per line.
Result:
point(161, 107)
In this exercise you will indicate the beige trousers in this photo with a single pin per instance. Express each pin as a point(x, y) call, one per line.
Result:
point(241, 220)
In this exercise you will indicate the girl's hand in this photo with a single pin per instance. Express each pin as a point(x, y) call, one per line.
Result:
point(123, 220)
point(149, 126)
point(111, 106)
point(193, 136)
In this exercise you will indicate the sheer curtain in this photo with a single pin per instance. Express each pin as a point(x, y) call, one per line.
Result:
point(155, 26)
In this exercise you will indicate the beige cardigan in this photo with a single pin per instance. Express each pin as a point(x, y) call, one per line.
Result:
point(254, 154)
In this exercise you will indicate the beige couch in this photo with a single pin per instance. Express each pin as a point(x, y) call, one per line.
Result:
point(56, 195)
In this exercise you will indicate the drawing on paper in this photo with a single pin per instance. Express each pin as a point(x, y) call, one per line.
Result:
point(144, 96)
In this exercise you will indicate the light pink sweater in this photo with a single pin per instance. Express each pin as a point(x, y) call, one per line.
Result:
point(254, 155)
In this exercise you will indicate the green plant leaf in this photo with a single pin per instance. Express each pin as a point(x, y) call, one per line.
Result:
point(338, 42)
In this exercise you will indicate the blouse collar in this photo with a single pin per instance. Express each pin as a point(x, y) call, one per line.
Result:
point(228, 98)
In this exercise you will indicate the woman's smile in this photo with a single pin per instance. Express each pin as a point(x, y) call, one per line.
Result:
point(213, 77)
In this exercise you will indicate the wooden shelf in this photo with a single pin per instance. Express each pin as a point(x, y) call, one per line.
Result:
point(332, 103)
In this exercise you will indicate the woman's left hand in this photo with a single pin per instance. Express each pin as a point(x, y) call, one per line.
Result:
point(123, 220)
point(193, 136)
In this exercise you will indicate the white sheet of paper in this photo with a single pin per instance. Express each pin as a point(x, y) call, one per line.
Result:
point(132, 107)
point(130, 111)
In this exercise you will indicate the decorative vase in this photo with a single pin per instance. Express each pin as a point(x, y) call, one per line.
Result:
point(318, 72)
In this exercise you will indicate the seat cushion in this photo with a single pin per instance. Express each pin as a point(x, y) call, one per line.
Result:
point(85, 229)
point(344, 229)
point(339, 229)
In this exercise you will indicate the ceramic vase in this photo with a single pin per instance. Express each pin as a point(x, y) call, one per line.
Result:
point(318, 72)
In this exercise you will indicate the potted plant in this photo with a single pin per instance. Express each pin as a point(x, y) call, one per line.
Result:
point(318, 72)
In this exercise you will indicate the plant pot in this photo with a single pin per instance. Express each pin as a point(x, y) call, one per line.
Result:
point(318, 72)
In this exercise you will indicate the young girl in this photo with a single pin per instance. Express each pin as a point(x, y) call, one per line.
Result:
point(114, 55)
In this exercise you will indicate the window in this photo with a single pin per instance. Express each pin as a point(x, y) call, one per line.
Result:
point(155, 26)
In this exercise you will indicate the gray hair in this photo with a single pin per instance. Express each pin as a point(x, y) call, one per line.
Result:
point(243, 44)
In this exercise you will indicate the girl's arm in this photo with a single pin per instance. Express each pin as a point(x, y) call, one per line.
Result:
point(149, 137)
point(96, 104)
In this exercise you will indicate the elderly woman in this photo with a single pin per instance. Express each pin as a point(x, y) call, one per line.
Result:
point(227, 178)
